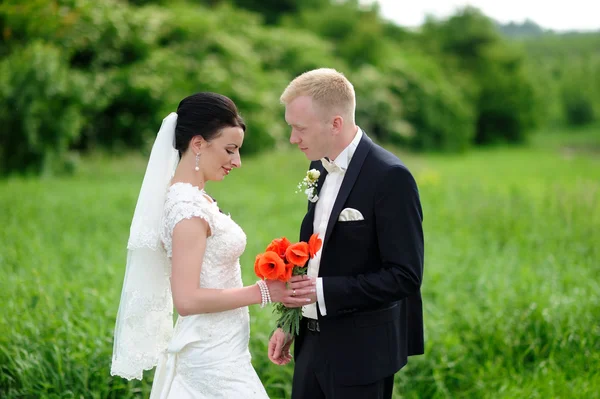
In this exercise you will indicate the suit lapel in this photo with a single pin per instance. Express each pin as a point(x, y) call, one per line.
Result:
point(323, 173)
point(308, 222)
point(364, 146)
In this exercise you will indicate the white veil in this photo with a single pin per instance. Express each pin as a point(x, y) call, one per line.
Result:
point(144, 323)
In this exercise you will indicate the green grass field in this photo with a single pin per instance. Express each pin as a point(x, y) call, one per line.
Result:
point(511, 288)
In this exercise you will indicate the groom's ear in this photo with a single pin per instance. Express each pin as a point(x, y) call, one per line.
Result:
point(337, 124)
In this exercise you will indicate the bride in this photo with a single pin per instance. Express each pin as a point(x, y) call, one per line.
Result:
point(184, 252)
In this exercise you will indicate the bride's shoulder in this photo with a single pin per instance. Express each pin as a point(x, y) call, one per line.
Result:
point(187, 193)
point(185, 201)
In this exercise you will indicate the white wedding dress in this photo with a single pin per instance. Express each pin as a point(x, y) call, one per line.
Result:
point(208, 356)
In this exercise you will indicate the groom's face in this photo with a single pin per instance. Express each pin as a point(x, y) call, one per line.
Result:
point(309, 129)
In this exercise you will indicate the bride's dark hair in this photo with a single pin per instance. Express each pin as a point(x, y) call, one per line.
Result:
point(204, 114)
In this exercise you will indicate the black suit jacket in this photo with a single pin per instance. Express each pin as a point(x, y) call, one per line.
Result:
point(372, 269)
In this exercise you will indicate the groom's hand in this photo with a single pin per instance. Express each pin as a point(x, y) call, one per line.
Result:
point(302, 291)
point(279, 348)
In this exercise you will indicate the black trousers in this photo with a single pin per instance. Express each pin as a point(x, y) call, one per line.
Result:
point(313, 376)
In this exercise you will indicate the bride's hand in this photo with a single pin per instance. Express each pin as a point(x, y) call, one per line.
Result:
point(277, 289)
point(304, 288)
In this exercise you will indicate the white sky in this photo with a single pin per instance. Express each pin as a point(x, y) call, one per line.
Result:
point(557, 15)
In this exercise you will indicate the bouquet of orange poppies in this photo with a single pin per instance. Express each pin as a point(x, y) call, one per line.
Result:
point(280, 261)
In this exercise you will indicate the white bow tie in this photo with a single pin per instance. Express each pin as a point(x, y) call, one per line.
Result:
point(329, 166)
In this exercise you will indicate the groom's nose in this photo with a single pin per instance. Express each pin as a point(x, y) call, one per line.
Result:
point(294, 139)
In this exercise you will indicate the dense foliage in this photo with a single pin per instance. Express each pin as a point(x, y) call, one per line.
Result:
point(85, 74)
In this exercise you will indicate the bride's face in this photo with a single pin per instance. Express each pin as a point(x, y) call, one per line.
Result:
point(222, 154)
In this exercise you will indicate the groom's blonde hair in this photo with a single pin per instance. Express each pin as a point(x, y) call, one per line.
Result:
point(328, 88)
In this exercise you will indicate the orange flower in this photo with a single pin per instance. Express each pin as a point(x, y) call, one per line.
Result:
point(256, 268)
point(314, 244)
point(269, 266)
point(297, 254)
point(279, 246)
point(289, 268)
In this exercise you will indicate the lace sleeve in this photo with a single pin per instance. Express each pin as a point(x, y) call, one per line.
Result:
point(182, 204)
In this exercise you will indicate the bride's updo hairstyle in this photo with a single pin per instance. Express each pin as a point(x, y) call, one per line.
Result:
point(204, 114)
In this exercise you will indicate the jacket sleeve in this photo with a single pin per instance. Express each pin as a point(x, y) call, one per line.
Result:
point(398, 224)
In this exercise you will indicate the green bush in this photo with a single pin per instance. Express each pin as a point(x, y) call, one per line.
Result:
point(103, 42)
point(580, 91)
point(123, 109)
point(504, 100)
point(292, 51)
point(40, 110)
point(273, 10)
point(109, 42)
point(453, 83)
point(94, 34)
point(194, 49)
point(215, 52)
point(566, 69)
point(579, 108)
point(436, 103)
point(506, 103)
point(357, 32)
point(378, 109)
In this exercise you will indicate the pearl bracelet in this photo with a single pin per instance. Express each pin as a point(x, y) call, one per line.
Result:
point(264, 293)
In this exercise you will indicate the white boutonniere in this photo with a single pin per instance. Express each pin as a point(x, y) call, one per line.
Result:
point(308, 185)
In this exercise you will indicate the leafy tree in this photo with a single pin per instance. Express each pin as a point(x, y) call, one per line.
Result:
point(504, 94)
point(356, 32)
point(436, 103)
point(567, 72)
point(40, 110)
point(273, 10)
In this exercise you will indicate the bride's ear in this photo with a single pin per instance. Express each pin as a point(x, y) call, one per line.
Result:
point(197, 144)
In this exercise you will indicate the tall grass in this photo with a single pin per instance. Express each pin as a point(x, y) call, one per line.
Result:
point(511, 288)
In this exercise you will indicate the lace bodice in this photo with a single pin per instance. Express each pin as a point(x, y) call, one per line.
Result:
point(226, 243)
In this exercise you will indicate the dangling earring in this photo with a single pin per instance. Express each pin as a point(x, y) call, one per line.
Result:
point(197, 168)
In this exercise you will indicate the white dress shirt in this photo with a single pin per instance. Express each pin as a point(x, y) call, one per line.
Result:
point(327, 196)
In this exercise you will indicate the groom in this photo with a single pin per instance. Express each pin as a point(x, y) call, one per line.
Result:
point(364, 314)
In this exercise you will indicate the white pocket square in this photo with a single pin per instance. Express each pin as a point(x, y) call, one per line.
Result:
point(349, 215)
